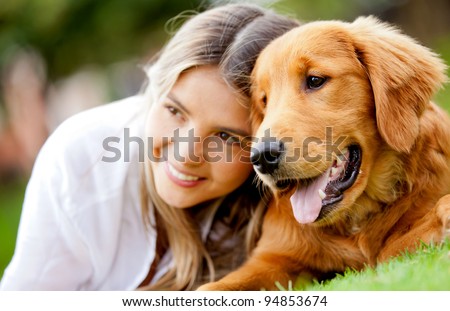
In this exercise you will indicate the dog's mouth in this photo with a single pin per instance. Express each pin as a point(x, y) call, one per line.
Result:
point(313, 199)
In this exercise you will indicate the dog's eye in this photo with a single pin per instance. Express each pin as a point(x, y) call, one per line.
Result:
point(315, 82)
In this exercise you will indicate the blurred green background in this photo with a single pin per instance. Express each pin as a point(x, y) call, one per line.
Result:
point(58, 57)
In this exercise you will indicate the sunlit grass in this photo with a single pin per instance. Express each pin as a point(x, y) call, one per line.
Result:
point(427, 269)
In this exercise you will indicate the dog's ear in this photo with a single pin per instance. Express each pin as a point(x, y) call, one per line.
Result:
point(404, 76)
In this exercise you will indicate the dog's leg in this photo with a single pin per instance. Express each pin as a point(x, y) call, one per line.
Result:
point(433, 227)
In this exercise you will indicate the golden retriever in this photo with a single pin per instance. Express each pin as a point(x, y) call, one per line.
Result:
point(354, 152)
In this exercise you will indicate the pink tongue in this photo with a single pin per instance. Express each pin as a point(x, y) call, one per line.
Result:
point(306, 202)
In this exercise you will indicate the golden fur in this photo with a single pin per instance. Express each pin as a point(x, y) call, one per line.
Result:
point(377, 95)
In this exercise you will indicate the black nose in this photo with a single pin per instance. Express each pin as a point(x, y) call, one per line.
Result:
point(266, 156)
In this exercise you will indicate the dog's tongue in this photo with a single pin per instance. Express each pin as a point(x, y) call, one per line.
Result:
point(306, 202)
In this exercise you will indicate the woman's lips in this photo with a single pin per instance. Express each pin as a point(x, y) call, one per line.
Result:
point(182, 179)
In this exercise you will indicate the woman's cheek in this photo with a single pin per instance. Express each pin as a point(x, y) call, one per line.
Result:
point(239, 168)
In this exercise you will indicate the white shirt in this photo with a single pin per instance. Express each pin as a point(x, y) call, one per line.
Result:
point(81, 226)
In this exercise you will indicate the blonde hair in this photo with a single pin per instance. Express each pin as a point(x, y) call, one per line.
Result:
point(230, 36)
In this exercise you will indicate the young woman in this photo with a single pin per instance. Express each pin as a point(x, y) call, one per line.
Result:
point(154, 191)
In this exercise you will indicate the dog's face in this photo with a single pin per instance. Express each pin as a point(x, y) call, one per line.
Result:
point(332, 101)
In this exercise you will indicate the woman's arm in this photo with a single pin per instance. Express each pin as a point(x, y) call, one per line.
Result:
point(49, 254)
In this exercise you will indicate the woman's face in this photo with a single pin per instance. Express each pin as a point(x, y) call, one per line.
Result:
point(197, 139)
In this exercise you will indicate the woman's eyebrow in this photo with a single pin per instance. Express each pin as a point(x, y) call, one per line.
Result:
point(177, 102)
point(239, 132)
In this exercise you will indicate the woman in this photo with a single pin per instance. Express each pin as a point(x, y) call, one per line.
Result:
point(106, 209)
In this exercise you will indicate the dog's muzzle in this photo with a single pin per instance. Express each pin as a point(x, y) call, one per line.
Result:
point(267, 155)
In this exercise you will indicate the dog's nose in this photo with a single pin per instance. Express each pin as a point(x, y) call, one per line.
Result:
point(266, 156)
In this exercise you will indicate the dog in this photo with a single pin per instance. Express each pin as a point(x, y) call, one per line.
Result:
point(355, 154)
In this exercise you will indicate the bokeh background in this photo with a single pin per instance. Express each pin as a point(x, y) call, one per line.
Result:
point(59, 57)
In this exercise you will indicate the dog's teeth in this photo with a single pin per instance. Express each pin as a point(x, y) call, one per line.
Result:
point(334, 171)
point(322, 194)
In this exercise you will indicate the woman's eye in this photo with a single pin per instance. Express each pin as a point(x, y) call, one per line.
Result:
point(315, 82)
point(228, 138)
point(174, 111)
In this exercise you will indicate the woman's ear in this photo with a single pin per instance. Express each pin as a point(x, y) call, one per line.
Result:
point(404, 76)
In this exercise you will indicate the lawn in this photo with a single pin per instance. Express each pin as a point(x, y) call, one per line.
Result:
point(11, 197)
point(427, 269)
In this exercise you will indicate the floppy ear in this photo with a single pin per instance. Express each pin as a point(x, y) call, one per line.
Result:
point(404, 76)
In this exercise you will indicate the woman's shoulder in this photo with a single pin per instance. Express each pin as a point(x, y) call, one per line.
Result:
point(75, 154)
point(85, 132)
point(103, 119)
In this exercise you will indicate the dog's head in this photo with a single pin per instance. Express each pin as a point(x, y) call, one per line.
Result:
point(331, 100)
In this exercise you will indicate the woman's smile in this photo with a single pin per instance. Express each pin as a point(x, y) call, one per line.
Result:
point(182, 179)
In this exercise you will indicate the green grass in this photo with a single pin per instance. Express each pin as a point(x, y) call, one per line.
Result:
point(11, 198)
point(427, 269)
point(442, 47)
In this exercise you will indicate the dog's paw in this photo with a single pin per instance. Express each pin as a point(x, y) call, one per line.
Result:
point(213, 286)
point(205, 287)
point(225, 286)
